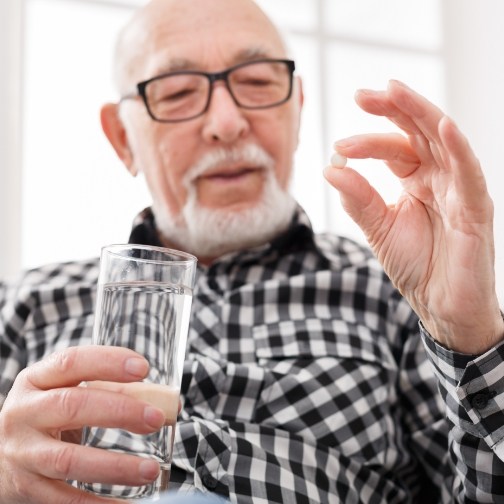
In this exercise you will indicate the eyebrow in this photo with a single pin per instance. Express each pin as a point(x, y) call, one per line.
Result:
point(244, 55)
point(251, 54)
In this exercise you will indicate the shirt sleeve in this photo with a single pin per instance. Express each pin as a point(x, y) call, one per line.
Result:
point(472, 388)
point(12, 345)
point(44, 310)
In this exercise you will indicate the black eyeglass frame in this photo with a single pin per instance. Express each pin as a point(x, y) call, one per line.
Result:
point(212, 77)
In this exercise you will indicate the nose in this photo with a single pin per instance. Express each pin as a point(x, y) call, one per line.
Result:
point(224, 121)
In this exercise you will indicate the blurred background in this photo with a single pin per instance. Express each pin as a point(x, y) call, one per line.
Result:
point(63, 193)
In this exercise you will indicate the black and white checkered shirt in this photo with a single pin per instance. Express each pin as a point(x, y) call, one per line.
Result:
point(306, 379)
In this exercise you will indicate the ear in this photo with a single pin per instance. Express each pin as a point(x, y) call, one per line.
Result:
point(299, 93)
point(115, 131)
point(299, 101)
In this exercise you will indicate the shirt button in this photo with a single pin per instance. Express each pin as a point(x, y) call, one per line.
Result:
point(480, 401)
point(209, 481)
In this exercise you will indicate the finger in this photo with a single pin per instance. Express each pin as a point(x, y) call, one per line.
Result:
point(390, 147)
point(76, 364)
point(62, 461)
point(413, 114)
point(58, 492)
point(430, 153)
point(469, 180)
point(424, 114)
point(75, 407)
point(379, 103)
point(359, 199)
point(164, 397)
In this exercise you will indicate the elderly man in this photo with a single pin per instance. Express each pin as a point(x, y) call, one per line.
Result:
point(307, 376)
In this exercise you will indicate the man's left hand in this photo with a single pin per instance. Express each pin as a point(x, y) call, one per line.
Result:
point(436, 242)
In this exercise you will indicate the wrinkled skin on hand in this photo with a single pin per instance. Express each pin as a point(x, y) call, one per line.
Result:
point(41, 420)
point(436, 242)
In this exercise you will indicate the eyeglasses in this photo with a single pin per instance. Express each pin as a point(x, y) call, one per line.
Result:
point(183, 95)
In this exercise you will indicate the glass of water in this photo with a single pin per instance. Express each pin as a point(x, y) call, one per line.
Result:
point(143, 303)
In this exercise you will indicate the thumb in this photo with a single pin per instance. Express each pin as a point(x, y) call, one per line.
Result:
point(359, 199)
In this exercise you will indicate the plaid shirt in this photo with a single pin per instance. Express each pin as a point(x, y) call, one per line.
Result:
point(306, 379)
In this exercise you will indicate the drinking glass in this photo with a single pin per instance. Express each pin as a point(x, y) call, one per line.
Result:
point(143, 303)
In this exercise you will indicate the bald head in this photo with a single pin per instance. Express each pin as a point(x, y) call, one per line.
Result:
point(162, 28)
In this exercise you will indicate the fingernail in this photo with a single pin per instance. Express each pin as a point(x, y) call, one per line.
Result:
point(365, 91)
point(398, 83)
point(344, 143)
point(149, 469)
point(327, 171)
point(136, 366)
point(153, 417)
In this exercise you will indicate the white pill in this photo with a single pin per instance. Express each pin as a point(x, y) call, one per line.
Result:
point(338, 161)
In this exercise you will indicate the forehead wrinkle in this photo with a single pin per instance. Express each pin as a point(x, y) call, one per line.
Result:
point(139, 38)
point(179, 64)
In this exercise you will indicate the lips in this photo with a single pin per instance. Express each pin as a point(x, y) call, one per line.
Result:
point(230, 173)
point(232, 186)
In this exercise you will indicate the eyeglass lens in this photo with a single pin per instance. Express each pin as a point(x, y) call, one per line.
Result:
point(185, 95)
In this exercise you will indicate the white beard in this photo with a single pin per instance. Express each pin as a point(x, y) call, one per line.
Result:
point(207, 232)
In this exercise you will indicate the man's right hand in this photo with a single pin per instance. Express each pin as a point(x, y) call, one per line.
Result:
point(46, 402)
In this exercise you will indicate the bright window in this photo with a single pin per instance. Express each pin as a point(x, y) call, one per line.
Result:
point(77, 197)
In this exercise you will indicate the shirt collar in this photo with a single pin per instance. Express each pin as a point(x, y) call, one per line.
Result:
point(298, 236)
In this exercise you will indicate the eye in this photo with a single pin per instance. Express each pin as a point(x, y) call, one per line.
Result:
point(177, 95)
point(254, 81)
point(175, 88)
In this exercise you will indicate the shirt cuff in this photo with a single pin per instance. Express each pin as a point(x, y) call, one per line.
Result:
point(472, 387)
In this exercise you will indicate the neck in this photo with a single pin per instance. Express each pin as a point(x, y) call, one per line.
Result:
point(202, 261)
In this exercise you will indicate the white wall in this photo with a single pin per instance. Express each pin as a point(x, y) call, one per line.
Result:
point(10, 152)
point(474, 38)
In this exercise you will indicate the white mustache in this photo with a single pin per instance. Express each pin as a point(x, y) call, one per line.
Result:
point(250, 155)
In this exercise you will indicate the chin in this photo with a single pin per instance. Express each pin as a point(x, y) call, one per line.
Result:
point(213, 232)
